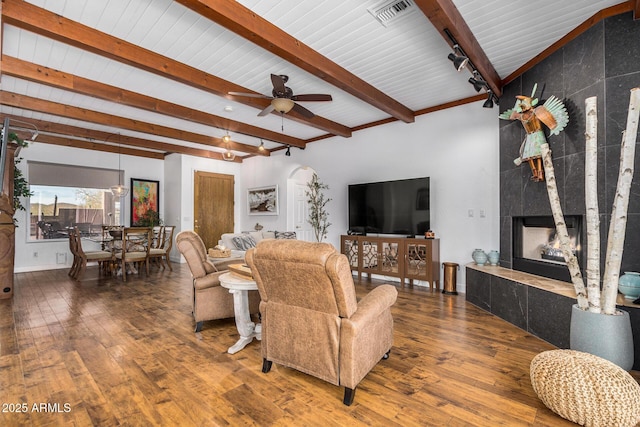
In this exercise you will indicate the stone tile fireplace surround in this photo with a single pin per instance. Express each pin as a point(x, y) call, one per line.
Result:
point(601, 62)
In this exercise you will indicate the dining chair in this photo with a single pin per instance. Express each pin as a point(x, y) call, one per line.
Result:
point(80, 257)
point(163, 251)
point(136, 243)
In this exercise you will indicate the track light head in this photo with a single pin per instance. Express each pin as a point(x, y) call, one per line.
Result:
point(288, 152)
point(478, 83)
point(459, 61)
point(489, 102)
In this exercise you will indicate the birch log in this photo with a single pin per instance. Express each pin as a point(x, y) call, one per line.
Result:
point(561, 229)
point(618, 226)
point(591, 201)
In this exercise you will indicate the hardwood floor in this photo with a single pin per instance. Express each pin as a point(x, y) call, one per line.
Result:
point(103, 352)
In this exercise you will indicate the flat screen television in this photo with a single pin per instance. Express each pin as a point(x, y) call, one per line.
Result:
point(390, 207)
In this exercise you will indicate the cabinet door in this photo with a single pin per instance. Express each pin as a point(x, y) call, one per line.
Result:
point(350, 247)
point(390, 257)
point(418, 263)
point(370, 255)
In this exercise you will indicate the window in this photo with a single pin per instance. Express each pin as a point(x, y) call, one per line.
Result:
point(71, 196)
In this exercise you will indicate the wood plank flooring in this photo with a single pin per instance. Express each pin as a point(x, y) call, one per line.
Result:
point(106, 353)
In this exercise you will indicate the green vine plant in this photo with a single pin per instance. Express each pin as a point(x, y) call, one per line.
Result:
point(318, 216)
point(20, 184)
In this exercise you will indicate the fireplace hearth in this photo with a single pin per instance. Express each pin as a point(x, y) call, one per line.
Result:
point(536, 248)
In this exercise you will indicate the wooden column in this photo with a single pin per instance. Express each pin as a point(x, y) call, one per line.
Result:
point(7, 227)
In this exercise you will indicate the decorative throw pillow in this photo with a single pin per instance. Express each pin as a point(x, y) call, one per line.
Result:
point(244, 242)
point(285, 235)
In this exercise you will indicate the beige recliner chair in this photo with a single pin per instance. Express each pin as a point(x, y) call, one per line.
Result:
point(311, 320)
point(210, 300)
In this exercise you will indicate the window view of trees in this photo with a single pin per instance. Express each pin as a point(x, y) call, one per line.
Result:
point(54, 209)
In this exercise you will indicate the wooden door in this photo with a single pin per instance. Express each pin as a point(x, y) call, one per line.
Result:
point(213, 206)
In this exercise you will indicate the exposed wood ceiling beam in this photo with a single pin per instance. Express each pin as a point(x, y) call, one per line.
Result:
point(594, 19)
point(242, 21)
point(100, 136)
point(88, 145)
point(77, 113)
point(40, 21)
point(50, 77)
point(636, 8)
point(443, 14)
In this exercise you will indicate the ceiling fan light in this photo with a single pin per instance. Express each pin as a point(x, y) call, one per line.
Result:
point(282, 105)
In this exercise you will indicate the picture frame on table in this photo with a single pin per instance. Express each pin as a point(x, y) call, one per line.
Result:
point(145, 197)
point(263, 200)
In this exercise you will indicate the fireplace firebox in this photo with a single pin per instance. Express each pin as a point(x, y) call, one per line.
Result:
point(536, 248)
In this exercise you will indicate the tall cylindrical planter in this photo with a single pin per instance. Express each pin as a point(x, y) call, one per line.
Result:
point(604, 335)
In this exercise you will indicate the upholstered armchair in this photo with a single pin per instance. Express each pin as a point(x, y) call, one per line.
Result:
point(311, 319)
point(210, 300)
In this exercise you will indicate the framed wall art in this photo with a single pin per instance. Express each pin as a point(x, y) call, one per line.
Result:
point(263, 200)
point(145, 202)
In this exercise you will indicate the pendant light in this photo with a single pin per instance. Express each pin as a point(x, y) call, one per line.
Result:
point(228, 155)
point(119, 190)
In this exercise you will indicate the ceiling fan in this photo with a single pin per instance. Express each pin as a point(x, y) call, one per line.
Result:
point(283, 100)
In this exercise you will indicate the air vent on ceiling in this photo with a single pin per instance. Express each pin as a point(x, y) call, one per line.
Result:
point(390, 11)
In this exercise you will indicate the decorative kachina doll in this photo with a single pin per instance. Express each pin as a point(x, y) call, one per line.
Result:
point(552, 113)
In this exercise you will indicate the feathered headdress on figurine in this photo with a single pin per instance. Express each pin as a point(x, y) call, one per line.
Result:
point(552, 113)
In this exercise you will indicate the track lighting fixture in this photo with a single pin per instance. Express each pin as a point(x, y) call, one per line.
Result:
point(478, 82)
point(459, 61)
point(261, 147)
point(489, 102)
point(288, 152)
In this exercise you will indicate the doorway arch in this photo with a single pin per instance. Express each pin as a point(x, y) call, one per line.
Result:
point(297, 210)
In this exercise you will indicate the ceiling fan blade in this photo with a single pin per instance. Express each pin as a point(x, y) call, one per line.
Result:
point(278, 83)
point(312, 97)
point(266, 111)
point(300, 109)
point(250, 95)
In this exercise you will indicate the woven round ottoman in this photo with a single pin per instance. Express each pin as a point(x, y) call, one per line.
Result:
point(586, 389)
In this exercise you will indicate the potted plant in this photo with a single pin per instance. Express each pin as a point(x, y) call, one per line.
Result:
point(318, 216)
point(150, 218)
point(20, 184)
point(597, 327)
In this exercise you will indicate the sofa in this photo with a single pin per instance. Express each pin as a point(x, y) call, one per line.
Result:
point(239, 243)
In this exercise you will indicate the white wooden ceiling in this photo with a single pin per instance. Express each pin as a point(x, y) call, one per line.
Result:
point(405, 60)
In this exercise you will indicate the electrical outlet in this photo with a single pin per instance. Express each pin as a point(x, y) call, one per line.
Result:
point(35, 254)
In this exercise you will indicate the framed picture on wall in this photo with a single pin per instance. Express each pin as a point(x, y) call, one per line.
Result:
point(263, 200)
point(145, 202)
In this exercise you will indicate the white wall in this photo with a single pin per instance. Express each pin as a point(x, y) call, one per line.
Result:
point(47, 258)
point(457, 148)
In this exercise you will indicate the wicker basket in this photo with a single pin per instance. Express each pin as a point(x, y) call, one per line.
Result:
point(218, 253)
